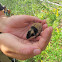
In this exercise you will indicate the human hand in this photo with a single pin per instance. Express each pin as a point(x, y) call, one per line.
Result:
point(20, 48)
point(19, 25)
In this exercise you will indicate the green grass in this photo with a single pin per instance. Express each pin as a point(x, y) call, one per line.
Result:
point(53, 15)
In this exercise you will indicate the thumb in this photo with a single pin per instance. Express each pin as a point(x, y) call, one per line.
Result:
point(13, 44)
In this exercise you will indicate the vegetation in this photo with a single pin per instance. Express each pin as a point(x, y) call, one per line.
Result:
point(53, 16)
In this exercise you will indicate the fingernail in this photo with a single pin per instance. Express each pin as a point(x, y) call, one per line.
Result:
point(37, 51)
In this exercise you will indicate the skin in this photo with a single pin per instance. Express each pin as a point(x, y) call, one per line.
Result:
point(1, 13)
point(13, 42)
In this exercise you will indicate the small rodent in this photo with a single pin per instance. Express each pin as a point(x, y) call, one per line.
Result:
point(34, 31)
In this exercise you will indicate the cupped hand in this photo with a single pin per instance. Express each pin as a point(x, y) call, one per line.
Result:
point(20, 24)
point(14, 44)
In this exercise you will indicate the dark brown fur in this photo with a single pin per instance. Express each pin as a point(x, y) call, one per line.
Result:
point(34, 31)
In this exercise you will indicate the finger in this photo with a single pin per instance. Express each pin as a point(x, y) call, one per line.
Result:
point(14, 44)
point(18, 56)
point(44, 22)
point(46, 33)
point(23, 19)
point(51, 29)
point(45, 37)
point(27, 18)
point(44, 27)
point(36, 39)
point(31, 19)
